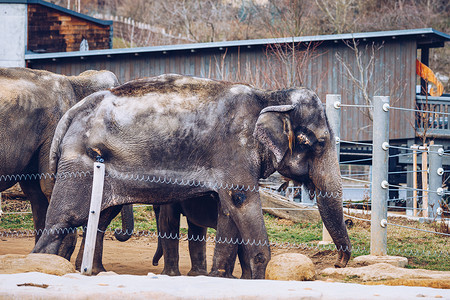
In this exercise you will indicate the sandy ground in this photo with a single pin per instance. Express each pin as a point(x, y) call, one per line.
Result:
point(134, 258)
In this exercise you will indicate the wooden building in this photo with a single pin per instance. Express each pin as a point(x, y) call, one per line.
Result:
point(322, 63)
point(52, 28)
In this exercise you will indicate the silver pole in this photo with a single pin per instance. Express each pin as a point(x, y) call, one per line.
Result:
point(333, 111)
point(94, 216)
point(436, 172)
point(380, 187)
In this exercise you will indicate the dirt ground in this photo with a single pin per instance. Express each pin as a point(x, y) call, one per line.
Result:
point(134, 256)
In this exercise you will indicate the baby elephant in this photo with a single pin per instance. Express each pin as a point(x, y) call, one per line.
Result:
point(200, 213)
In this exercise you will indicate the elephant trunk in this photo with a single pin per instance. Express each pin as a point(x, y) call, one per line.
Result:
point(127, 224)
point(326, 177)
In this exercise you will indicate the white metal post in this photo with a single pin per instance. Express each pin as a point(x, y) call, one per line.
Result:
point(436, 172)
point(94, 216)
point(333, 110)
point(380, 186)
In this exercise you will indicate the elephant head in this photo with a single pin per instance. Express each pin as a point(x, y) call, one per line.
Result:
point(303, 149)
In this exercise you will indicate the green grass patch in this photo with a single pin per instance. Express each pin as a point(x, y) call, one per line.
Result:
point(17, 222)
point(282, 231)
point(144, 219)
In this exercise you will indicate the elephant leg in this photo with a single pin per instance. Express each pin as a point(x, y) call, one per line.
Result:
point(243, 208)
point(97, 263)
point(245, 264)
point(39, 204)
point(105, 219)
point(169, 226)
point(68, 245)
point(224, 251)
point(197, 249)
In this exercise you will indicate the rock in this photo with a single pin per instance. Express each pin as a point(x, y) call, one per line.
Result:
point(291, 266)
point(107, 273)
point(43, 263)
point(295, 212)
point(385, 271)
point(365, 260)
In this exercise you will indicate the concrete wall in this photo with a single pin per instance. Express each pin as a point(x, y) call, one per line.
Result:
point(13, 22)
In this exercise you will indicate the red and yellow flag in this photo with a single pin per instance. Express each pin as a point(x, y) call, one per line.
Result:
point(428, 75)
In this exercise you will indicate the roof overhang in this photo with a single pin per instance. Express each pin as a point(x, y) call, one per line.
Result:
point(426, 38)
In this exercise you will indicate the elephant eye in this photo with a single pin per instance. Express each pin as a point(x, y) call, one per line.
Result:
point(303, 139)
point(320, 144)
point(95, 153)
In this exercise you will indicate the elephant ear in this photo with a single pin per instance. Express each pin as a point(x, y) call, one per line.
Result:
point(273, 129)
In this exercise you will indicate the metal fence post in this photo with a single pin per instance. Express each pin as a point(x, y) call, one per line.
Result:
point(333, 111)
point(94, 216)
point(380, 186)
point(436, 172)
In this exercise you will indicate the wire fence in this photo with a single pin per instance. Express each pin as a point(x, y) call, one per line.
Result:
point(172, 181)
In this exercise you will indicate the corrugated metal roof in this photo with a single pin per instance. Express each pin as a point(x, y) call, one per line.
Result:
point(424, 35)
point(59, 8)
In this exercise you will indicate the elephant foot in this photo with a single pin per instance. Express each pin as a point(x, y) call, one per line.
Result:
point(197, 272)
point(246, 275)
point(95, 269)
point(171, 272)
point(99, 269)
point(342, 260)
point(220, 273)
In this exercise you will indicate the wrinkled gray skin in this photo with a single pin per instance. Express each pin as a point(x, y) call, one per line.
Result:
point(200, 213)
point(31, 104)
point(185, 128)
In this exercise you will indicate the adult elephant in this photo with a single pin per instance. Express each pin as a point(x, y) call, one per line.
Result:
point(31, 104)
point(200, 213)
point(171, 138)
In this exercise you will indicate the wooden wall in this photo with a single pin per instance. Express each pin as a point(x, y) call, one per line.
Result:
point(50, 30)
point(394, 75)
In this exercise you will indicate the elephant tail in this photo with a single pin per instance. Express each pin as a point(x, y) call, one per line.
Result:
point(127, 224)
point(86, 105)
point(159, 249)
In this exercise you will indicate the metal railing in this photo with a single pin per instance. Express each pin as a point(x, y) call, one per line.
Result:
point(433, 120)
